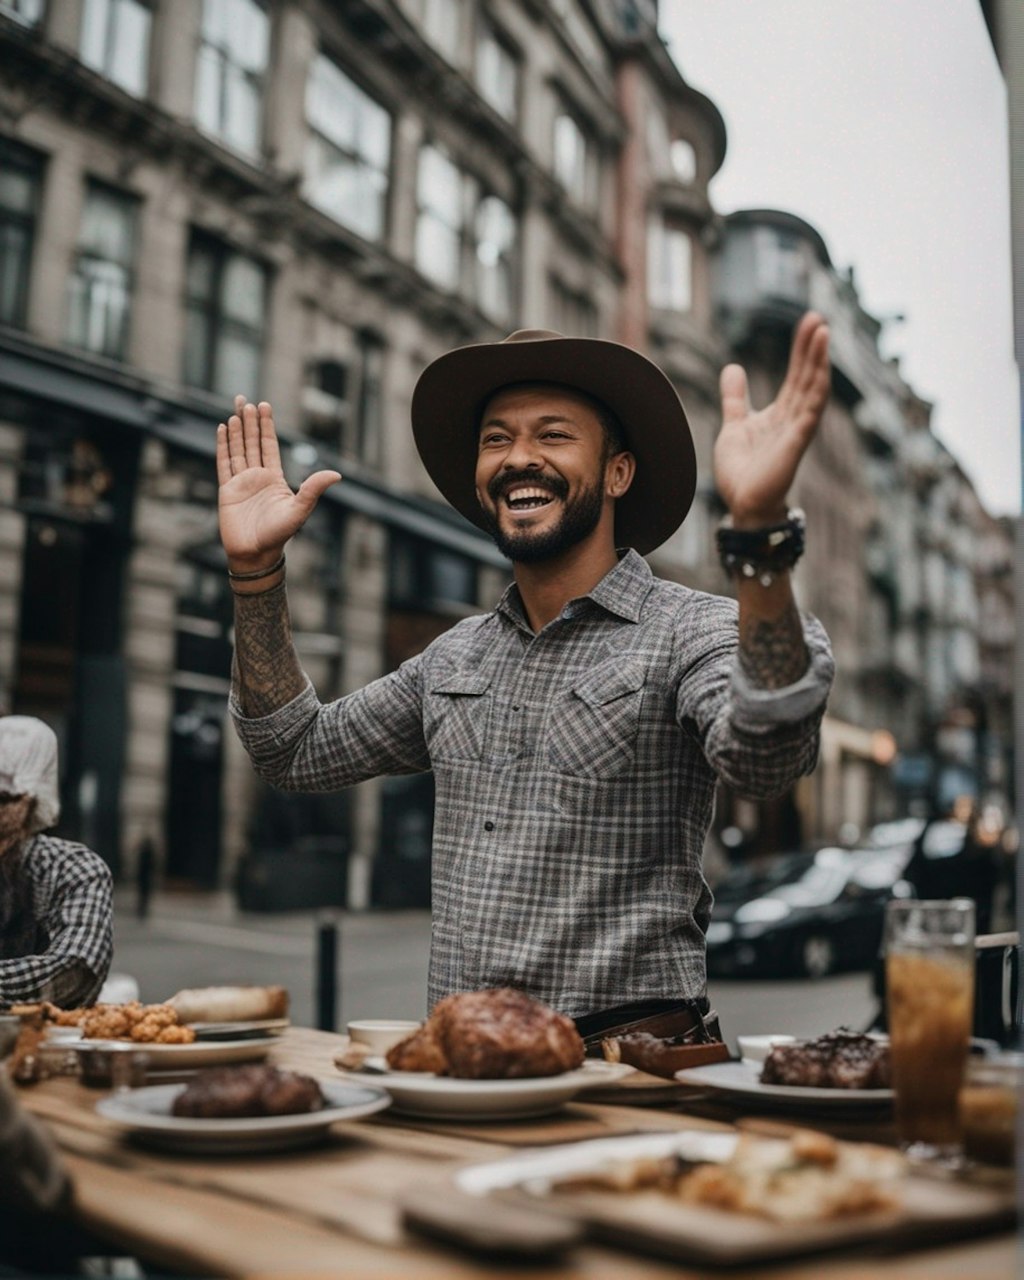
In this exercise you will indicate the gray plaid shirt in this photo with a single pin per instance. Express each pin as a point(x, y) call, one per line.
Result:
point(67, 956)
point(575, 774)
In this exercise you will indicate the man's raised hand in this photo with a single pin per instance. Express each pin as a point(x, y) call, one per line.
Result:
point(757, 452)
point(258, 510)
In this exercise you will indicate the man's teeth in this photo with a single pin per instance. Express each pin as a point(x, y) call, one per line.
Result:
point(523, 499)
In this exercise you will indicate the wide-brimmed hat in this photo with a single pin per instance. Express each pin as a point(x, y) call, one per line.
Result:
point(451, 393)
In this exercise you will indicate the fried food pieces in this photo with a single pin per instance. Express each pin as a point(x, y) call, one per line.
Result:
point(142, 1023)
point(495, 1034)
point(259, 1090)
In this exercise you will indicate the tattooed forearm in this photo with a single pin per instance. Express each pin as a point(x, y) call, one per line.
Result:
point(772, 651)
point(266, 670)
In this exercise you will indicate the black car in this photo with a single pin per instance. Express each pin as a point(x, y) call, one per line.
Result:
point(807, 913)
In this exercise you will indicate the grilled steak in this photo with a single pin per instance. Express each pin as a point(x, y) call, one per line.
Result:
point(257, 1090)
point(842, 1059)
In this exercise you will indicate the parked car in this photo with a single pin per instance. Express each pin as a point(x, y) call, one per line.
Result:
point(808, 914)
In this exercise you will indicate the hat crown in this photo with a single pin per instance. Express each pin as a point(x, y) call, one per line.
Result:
point(532, 335)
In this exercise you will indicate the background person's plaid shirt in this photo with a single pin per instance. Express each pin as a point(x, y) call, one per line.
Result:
point(65, 957)
point(575, 773)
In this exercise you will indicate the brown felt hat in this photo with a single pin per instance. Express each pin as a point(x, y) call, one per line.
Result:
point(451, 393)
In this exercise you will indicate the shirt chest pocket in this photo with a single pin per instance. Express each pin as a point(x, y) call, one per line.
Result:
point(593, 729)
point(458, 715)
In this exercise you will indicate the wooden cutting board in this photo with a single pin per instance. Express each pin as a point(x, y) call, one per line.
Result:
point(649, 1221)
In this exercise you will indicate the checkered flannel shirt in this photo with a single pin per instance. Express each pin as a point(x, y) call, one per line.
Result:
point(67, 957)
point(575, 774)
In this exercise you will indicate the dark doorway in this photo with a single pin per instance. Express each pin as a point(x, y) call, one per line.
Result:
point(194, 789)
point(202, 682)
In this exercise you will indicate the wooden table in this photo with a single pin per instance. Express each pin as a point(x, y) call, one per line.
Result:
point(333, 1210)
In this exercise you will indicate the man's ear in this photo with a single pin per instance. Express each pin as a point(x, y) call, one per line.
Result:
point(619, 474)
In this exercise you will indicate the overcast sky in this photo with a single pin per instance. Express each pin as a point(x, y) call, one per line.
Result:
point(883, 124)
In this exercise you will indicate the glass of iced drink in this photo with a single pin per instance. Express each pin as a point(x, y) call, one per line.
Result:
point(929, 975)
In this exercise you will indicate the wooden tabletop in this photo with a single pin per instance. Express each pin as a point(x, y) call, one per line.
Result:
point(334, 1210)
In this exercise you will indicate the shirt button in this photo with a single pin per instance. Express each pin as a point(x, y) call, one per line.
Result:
point(488, 825)
point(516, 707)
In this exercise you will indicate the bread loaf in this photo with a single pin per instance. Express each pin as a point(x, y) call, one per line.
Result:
point(230, 1004)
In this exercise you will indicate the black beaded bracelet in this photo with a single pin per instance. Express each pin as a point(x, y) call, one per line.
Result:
point(259, 573)
point(762, 553)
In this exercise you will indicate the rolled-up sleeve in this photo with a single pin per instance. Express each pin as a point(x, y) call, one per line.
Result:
point(310, 746)
point(758, 741)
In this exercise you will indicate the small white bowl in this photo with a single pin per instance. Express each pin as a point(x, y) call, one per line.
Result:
point(380, 1033)
point(62, 1035)
point(755, 1048)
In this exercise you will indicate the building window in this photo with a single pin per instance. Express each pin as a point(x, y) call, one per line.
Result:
point(442, 25)
point(495, 240)
point(573, 159)
point(683, 160)
point(20, 180)
point(572, 312)
point(669, 267)
point(441, 214)
point(497, 72)
point(115, 42)
point(465, 238)
point(349, 150)
point(27, 12)
point(781, 265)
point(226, 304)
point(423, 575)
point(342, 400)
point(233, 53)
point(100, 287)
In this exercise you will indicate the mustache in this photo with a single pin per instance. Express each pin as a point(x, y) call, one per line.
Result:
point(501, 484)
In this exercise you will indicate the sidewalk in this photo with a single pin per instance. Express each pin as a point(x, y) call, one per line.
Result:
point(202, 939)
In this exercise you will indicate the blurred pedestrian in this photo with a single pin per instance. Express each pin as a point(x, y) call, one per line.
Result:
point(144, 876)
point(56, 909)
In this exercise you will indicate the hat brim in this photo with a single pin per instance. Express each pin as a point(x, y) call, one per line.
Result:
point(452, 391)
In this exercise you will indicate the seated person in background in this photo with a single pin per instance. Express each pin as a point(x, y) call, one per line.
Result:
point(56, 910)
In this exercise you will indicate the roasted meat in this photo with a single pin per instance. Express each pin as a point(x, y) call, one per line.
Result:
point(496, 1034)
point(258, 1090)
point(842, 1059)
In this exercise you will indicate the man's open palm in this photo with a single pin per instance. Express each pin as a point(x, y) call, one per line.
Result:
point(757, 452)
point(258, 510)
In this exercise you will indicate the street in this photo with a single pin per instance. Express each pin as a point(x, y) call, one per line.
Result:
point(203, 940)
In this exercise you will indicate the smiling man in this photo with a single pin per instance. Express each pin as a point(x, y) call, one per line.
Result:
point(577, 731)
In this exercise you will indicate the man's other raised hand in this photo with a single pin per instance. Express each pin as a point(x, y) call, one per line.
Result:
point(257, 508)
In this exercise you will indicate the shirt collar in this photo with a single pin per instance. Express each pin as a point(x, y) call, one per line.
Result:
point(621, 591)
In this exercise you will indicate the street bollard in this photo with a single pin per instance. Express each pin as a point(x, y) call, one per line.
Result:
point(326, 994)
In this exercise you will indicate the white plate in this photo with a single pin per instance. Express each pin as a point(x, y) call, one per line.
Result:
point(237, 1030)
point(419, 1093)
point(743, 1080)
point(146, 1114)
point(183, 1057)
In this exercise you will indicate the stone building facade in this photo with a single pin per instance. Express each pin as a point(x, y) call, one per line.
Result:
point(900, 555)
point(306, 202)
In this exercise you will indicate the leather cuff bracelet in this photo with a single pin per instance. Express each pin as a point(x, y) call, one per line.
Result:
point(257, 574)
point(762, 553)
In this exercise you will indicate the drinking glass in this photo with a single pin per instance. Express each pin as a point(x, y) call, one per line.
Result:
point(929, 974)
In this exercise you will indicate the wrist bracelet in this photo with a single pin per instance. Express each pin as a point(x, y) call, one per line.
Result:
point(259, 573)
point(762, 553)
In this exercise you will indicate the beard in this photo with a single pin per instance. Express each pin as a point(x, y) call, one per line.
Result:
point(579, 518)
